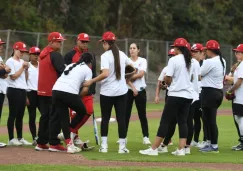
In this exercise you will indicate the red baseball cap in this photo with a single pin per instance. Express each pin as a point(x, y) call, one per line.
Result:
point(20, 46)
point(239, 48)
point(83, 37)
point(188, 46)
point(212, 44)
point(55, 37)
point(181, 42)
point(34, 50)
point(108, 36)
point(1, 42)
point(197, 47)
point(171, 52)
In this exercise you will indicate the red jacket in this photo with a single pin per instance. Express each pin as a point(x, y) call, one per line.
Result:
point(47, 73)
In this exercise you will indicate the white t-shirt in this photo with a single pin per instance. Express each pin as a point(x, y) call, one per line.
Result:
point(33, 73)
point(162, 74)
point(181, 85)
point(212, 73)
point(111, 86)
point(239, 92)
point(196, 74)
point(141, 65)
point(15, 66)
point(72, 82)
point(3, 82)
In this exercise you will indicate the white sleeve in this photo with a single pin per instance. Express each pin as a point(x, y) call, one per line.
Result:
point(162, 75)
point(104, 64)
point(10, 64)
point(170, 68)
point(206, 67)
point(240, 72)
point(144, 65)
point(88, 75)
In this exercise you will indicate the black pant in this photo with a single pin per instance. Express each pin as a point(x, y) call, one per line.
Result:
point(140, 101)
point(1, 103)
point(62, 101)
point(46, 110)
point(190, 123)
point(175, 107)
point(211, 100)
point(34, 103)
point(17, 102)
point(106, 104)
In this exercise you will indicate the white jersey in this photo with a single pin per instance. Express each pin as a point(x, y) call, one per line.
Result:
point(72, 82)
point(110, 86)
point(181, 85)
point(15, 66)
point(162, 74)
point(239, 92)
point(3, 82)
point(213, 73)
point(141, 65)
point(33, 74)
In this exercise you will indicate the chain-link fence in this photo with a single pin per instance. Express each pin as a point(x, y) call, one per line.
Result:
point(154, 51)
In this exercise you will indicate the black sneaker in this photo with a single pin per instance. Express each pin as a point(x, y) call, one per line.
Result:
point(85, 146)
point(239, 147)
point(235, 146)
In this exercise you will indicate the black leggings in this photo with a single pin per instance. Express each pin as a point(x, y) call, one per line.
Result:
point(175, 107)
point(2, 96)
point(197, 125)
point(106, 104)
point(140, 101)
point(34, 103)
point(17, 102)
point(62, 101)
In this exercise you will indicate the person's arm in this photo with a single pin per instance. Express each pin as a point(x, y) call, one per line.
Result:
point(236, 85)
point(57, 62)
point(157, 92)
point(68, 58)
point(15, 74)
point(26, 74)
point(141, 72)
point(85, 90)
point(170, 72)
point(206, 68)
point(135, 92)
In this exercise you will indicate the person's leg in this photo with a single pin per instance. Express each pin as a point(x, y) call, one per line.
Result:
point(170, 133)
point(190, 124)
point(2, 96)
point(32, 96)
point(197, 124)
point(239, 121)
point(130, 99)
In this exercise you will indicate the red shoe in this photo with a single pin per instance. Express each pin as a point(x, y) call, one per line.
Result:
point(57, 148)
point(41, 147)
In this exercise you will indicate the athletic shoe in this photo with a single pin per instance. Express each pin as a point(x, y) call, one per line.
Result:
point(41, 147)
point(77, 141)
point(239, 147)
point(149, 152)
point(180, 152)
point(34, 143)
point(194, 144)
point(170, 142)
point(210, 149)
point(187, 150)
point(14, 142)
point(234, 147)
point(71, 148)
point(123, 150)
point(162, 149)
point(146, 141)
point(85, 146)
point(61, 137)
point(103, 148)
point(24, 142)
point(57, 148)
point(202, 144)
point(2, 145)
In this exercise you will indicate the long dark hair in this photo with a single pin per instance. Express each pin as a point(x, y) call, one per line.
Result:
point(187, 56)
point(86, 57)
point(218, 52)
point(115, 52)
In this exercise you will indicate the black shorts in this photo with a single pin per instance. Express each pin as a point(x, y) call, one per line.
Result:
point(237, 109)
point(211, 97)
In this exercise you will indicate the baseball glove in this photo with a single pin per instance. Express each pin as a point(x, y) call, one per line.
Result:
point(129, 71)
point(229, 96)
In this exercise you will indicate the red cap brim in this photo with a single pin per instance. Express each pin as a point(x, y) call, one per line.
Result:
point(1, 43)
point(23, 50)
point(235, 49)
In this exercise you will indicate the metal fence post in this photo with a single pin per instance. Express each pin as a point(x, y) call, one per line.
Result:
point(166, 53)
point(38, 40)
point(147, 57)
point(7, 44)
point(126, 46)
point(62, 47)
point(231, 57)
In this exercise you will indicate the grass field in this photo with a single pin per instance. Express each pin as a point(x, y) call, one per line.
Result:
point(227, 138)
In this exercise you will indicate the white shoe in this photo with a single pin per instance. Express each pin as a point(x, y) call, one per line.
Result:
point(103, 148)
point(162, 149)
point(187, 150)
point(194, 144)
point(146, 141)
point(149, 152)
point(202, 144)
point(14, 142)
point(71, 148)
point(123, 150)
point(77, 141)
point(61, 137)
point(180, 152)
point(2, 145)
point(24, 142)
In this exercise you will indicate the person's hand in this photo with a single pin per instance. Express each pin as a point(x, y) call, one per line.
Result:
point(227, 78)
point(87, 83)
point(156, 100)
point(135, 92)
point(7, 69)
point(25, 65)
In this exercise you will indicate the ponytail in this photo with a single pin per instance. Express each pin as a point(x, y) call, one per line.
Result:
point(115, 52)
point(86, 58)
point(187, 56)
point(217, 52)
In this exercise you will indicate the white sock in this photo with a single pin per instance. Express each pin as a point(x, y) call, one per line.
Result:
point(72, 136)
point(214, 145)
point(103, 140)
point(122, 142)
